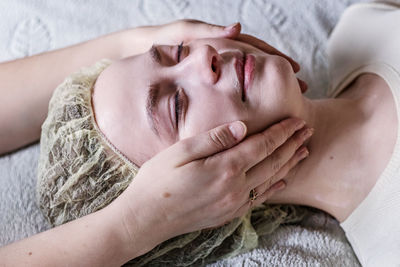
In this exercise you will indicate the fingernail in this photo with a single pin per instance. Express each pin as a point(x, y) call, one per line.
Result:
point(231, 27)
point(238, 129)
point(300, 124)
point(280, 185)
point(307, 133)
point(303, 153)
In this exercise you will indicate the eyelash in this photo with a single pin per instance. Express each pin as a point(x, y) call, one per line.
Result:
point(178, 99)
point(180, 46)
point(178, 106)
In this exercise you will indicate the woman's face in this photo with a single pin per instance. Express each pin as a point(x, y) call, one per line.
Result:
point(147, 102)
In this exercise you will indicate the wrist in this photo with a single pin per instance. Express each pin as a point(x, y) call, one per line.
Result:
point(136, 40)
point(135, 226)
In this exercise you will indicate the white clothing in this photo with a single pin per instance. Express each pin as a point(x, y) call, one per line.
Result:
point(367, 39)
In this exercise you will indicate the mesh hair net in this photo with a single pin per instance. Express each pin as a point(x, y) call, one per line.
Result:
point(80, 172)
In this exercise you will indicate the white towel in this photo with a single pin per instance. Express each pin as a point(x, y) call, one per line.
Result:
point(298, 28)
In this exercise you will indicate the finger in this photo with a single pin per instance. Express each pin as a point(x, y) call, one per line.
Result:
point(279, 158)
point(195, 29)
point(276, 187)
point(260, 199)
point(259, 146)
point(208, 143)
point(260, 44)
point(300, 154)
point(303, 85)
point(232, 31)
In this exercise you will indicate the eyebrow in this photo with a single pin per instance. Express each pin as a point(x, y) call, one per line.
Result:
point(151, 101)
point(155, 54)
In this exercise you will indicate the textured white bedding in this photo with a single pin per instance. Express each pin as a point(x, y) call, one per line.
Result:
point(299, 28)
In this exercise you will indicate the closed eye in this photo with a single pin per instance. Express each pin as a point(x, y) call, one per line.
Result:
point(179, 52)
point(178, 107)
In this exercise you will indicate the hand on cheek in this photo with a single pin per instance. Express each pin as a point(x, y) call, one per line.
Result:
point(206, 180)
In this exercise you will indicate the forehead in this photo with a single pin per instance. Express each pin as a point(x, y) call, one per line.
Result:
point(119, 104)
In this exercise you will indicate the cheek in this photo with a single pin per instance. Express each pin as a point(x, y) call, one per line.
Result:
point(278, 77)
point(276, 94)
point(206, 116)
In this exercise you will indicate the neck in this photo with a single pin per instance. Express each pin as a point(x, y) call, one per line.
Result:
point(320, 180)
point(345, 161)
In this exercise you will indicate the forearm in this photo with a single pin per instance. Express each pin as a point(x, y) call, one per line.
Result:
point(27, 84)
point(94, 240)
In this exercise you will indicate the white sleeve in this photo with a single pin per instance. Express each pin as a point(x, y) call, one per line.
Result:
point(367, 33)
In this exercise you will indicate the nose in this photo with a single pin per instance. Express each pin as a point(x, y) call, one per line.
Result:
point(207, 63)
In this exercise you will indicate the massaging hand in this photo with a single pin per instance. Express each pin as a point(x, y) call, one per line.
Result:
point(197, 183)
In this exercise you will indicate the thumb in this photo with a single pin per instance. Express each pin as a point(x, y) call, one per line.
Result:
point(209, 143)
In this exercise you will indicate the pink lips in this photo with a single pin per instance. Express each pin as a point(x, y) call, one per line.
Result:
point(245, 71)
point(248, 73)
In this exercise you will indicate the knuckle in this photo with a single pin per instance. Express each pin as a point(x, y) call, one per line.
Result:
point(221, 138)
point(286, 128)
point(283, 128)
point(231, 172)
point(276, 166)
point(235, 167)
point(268, 144)
point(185, 147)
point(228, 174)
point(276, 163)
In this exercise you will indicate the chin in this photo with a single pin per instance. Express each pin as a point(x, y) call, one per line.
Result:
point(281, 68)
point(277, 72)
point(279, 101)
